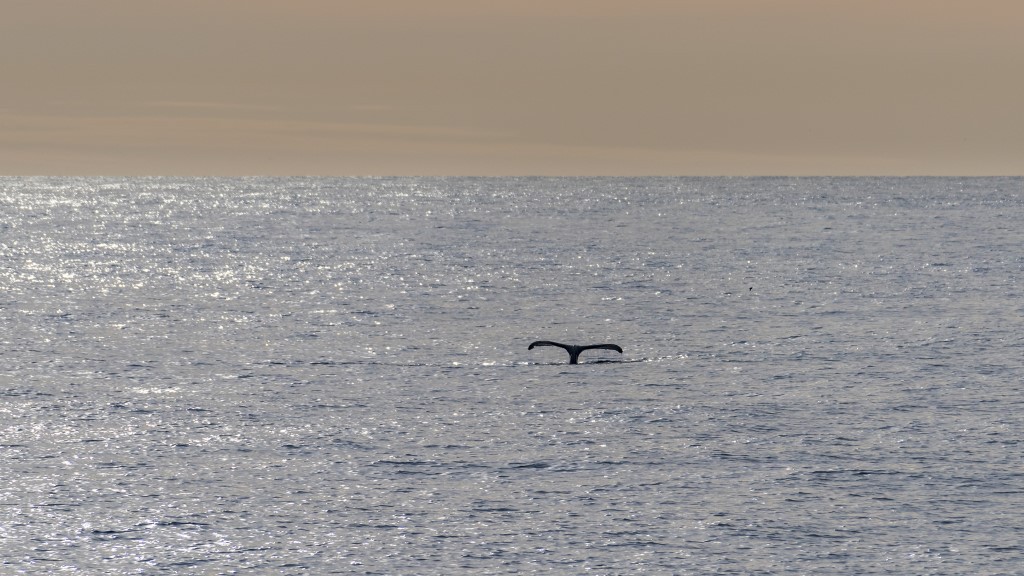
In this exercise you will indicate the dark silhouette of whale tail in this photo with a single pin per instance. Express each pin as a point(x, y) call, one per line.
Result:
point(574, 350)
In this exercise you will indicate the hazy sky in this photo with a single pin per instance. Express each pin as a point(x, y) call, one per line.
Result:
point(395, 87)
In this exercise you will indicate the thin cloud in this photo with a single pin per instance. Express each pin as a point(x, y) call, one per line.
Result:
point(208, 105)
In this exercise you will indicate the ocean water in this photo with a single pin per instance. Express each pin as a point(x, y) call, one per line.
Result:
point(331, 376)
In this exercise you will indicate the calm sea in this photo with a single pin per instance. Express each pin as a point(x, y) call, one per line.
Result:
point(319, 376)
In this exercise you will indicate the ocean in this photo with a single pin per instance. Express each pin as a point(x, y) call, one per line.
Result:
point(332, 376)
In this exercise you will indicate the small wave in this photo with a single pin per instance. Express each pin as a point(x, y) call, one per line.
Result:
point(455, 364)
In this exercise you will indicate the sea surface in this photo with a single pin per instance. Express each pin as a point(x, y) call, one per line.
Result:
point(331, 376)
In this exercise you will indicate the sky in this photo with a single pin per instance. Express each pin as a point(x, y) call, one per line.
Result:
point(523, 87)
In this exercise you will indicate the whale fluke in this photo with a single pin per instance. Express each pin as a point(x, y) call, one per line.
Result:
point(574, 350)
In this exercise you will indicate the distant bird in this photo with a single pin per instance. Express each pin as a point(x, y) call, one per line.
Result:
point(574, 350)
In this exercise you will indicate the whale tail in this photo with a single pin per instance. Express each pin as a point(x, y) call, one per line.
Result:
point(574, 350)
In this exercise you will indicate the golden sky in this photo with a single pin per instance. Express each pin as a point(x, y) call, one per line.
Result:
point(481, 87)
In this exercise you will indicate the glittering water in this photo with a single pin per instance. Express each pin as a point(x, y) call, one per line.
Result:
point(297, 376)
